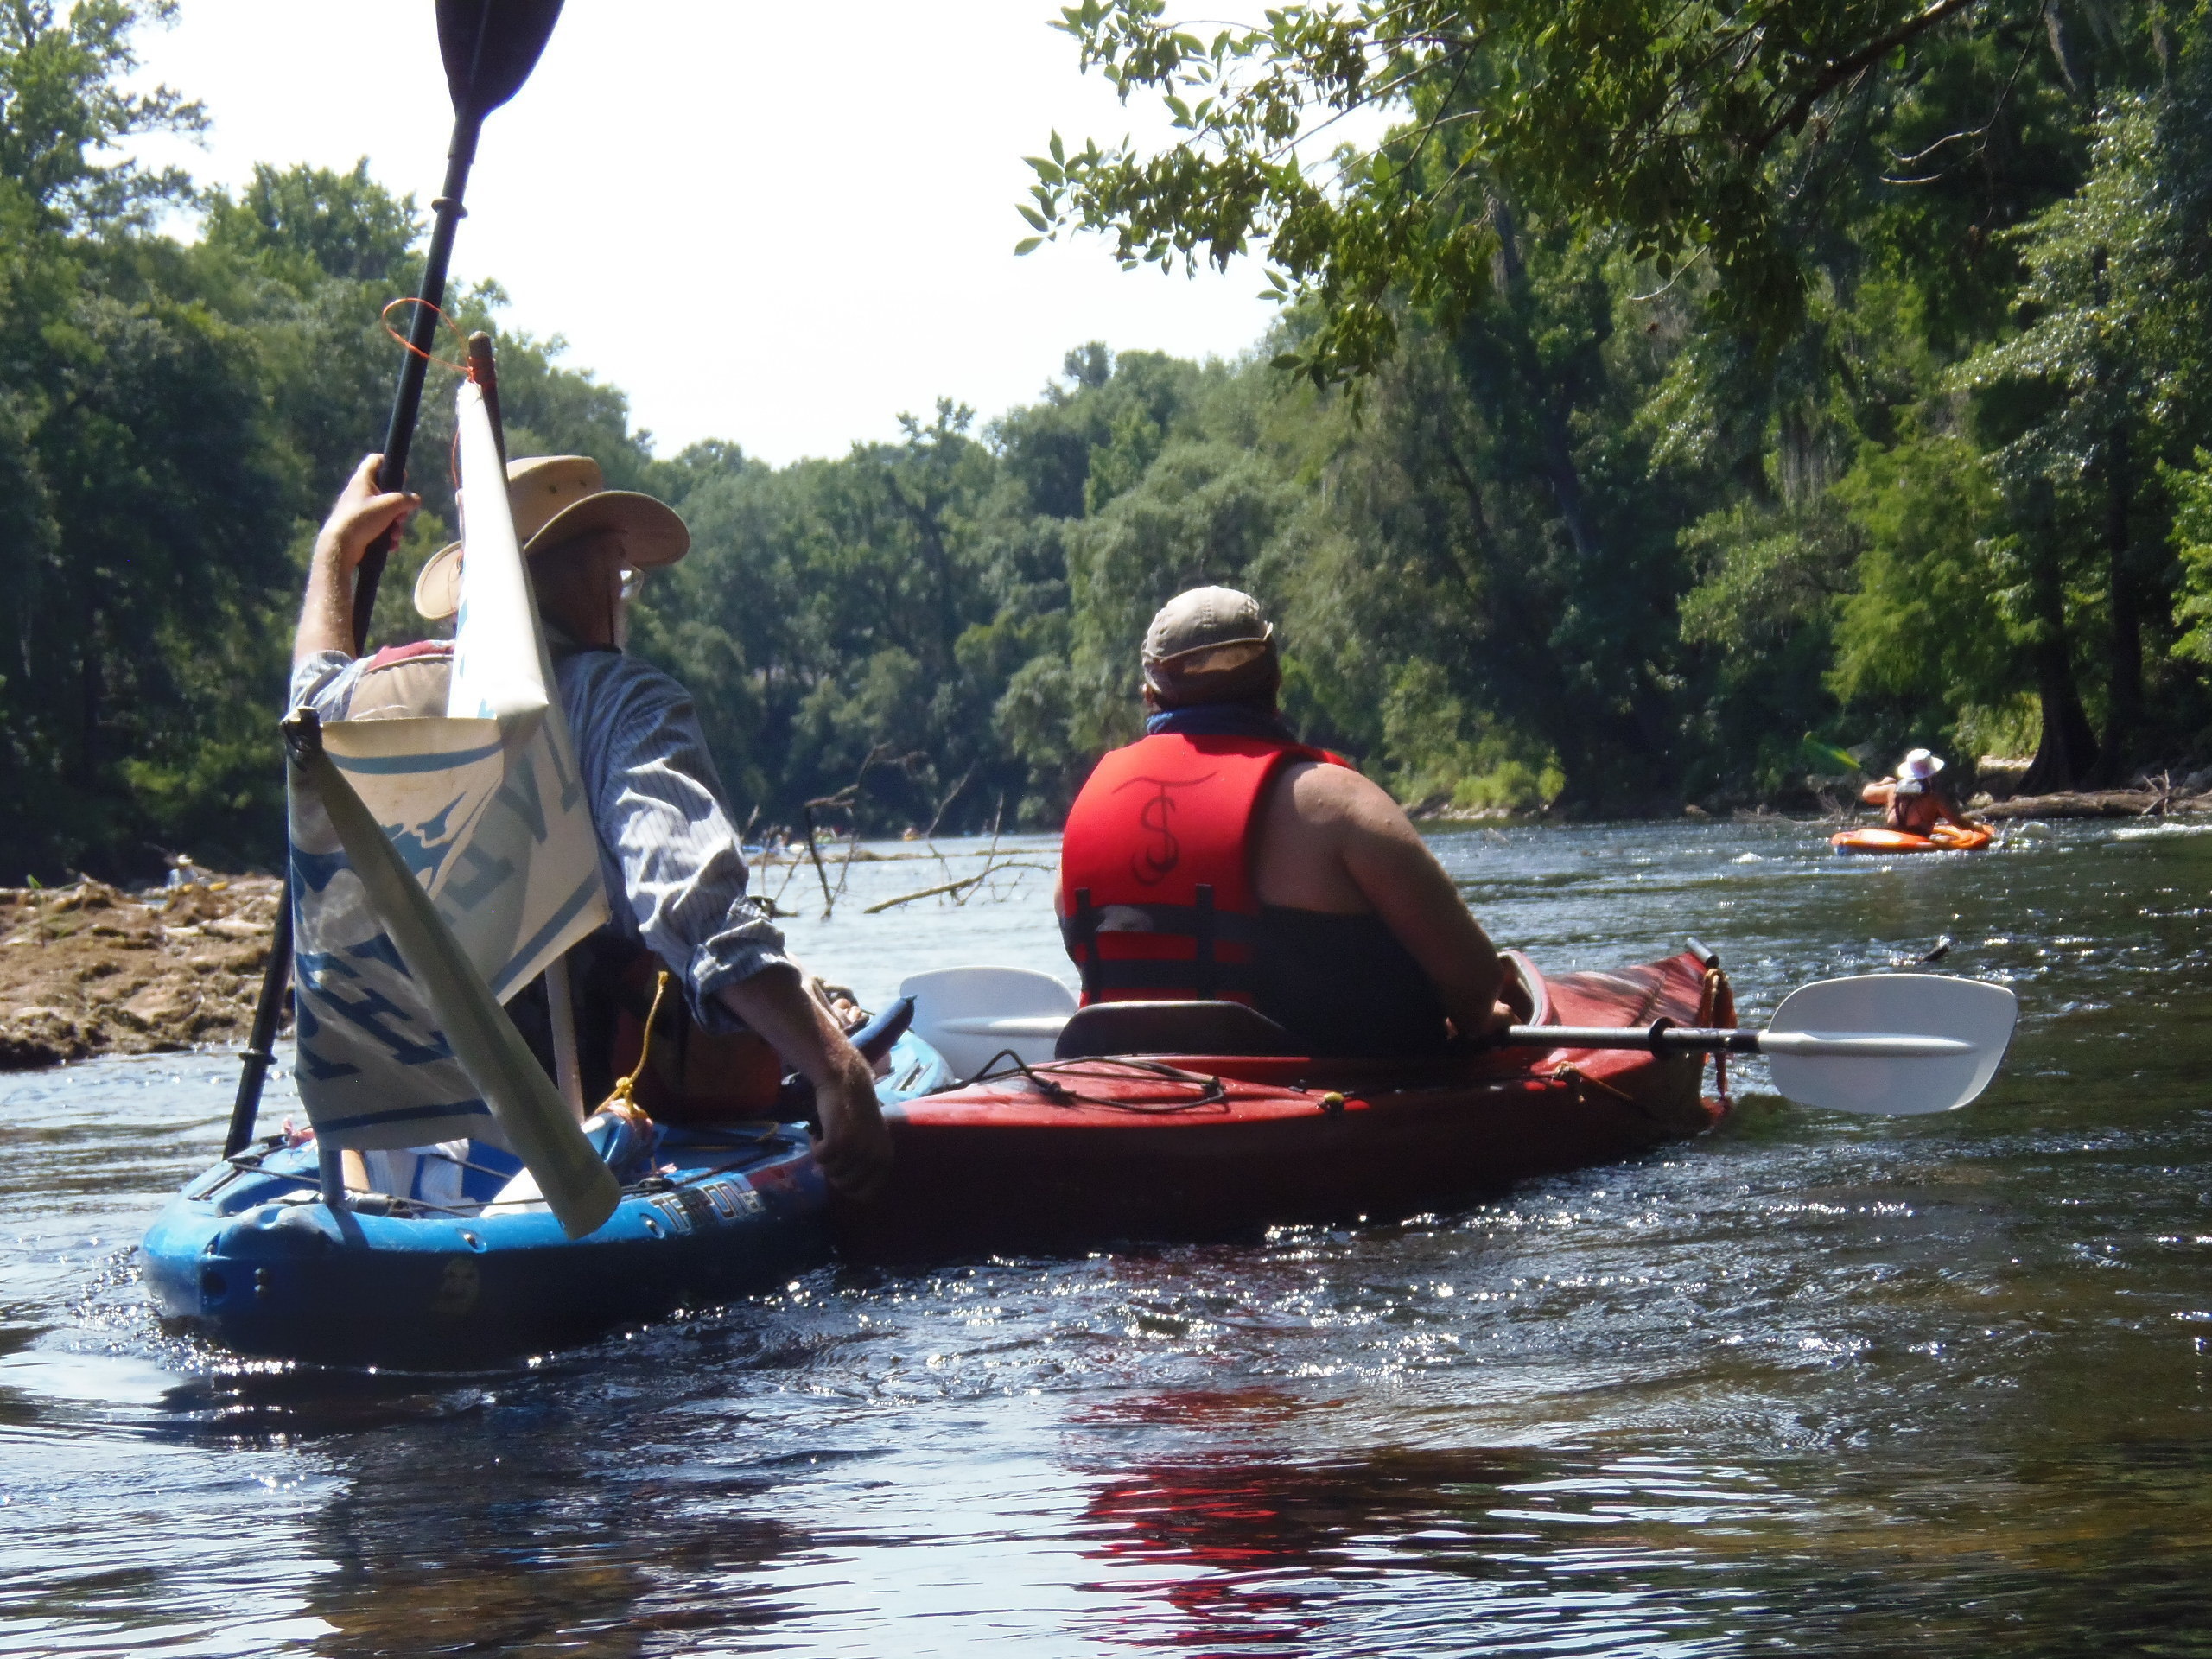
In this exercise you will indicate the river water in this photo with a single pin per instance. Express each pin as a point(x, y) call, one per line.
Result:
point(1810, 1384)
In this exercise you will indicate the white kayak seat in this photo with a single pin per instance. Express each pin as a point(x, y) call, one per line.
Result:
point(456, 1175)
point(970, 1015)
point(1519, 968)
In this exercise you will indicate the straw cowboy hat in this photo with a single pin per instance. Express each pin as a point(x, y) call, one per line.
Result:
point(556, 499)
point(1915, 769)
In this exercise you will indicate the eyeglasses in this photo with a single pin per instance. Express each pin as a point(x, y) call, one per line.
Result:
point(632, 581)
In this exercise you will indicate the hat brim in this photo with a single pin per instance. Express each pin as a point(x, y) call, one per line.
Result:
point(1214, 673)
point(1173, 658)
point(653, 536)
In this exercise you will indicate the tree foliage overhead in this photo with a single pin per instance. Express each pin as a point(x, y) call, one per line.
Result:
point(1693, 131)
point(63, 104)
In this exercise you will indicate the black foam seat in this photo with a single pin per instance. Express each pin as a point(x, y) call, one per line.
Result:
point(1108, 1028)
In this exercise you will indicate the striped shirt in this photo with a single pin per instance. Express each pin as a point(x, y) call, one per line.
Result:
point(666, 840)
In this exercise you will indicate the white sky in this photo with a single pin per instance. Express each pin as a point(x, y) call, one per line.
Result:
point(781, 225)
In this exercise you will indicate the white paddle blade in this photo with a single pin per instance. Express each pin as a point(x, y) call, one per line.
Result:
point(968, 1015)
point(1975, 1017)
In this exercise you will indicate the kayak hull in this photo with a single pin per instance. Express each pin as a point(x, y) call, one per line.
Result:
point(1001, 1166)
point(249, 1257)
point(1947, 838)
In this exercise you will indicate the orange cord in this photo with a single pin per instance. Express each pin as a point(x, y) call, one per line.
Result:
point(463, 368)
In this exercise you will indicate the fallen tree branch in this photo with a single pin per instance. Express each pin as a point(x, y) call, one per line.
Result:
point(938, 816)
point(950, 887)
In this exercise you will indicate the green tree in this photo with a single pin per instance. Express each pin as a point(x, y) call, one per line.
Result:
point(1695, 131)
point(64, 103)
point(336, 224)
point(2083, 400)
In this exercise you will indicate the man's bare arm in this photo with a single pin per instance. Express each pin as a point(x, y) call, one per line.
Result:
point(361, 514)
point(855, 1150)
point(1396, 874)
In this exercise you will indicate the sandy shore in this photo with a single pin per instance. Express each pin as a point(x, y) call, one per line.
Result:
point(89, 970)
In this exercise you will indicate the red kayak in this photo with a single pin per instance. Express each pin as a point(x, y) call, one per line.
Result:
point(1176, 1123)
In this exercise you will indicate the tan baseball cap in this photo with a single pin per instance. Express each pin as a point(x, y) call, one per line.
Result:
point(1204, 644)
point(556, 499)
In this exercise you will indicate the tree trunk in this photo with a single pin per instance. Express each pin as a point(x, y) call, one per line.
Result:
point(89, 700)
point(2069, 748)
point(1602, 750)
point(2123, 727)
point(1560, 470)
point(2070, 68)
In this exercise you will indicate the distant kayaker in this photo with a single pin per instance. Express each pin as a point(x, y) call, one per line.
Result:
point(668, 843)
point(1913, 801)
point(1219, 857)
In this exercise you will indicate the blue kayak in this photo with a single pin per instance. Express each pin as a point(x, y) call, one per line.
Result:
point(443, 1275)
point(250, 1256)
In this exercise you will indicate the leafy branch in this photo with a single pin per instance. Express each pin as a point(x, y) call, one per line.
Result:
point(1666, 118)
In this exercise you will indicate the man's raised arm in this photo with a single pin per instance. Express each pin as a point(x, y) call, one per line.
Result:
point(362, 513)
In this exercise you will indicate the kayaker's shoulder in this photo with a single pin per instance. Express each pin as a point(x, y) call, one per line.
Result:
point(617, 677)
point(1317, 789)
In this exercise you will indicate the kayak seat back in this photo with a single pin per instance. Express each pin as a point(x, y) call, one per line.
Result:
point(1109, 1028)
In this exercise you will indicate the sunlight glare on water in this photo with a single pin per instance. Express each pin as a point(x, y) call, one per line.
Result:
point(1810, 1384)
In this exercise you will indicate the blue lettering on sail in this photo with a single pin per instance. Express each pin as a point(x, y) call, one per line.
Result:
point(378, 949)
point(322, 1070)
point(571, 788)
point(368, 1012)
point(312, 871)
point(314, 964)
point(422, 848)
point(486, 875)
point(520, 798)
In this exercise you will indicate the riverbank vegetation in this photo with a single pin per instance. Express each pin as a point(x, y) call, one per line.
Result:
point(1643, 426)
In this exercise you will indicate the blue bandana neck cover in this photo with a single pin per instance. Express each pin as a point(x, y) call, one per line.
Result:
point(1221, 720)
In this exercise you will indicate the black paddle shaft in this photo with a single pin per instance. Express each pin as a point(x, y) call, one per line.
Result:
point(421, 333)
point(489, 47)
point(399, 437)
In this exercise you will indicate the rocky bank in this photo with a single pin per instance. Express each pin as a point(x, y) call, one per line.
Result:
point(89, 970)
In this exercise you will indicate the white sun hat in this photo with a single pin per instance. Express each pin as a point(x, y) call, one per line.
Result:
point(1915, 769)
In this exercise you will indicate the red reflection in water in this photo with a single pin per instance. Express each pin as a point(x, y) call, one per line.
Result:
point(1237, 1544)
point(1232, 1532)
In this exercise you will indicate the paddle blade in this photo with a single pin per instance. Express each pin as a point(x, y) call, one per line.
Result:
point(490, 47)
point(968, 1015)
point(1964, 1011)
point(575, 1181)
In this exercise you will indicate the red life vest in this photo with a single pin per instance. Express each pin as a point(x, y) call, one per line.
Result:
point(1156, 900)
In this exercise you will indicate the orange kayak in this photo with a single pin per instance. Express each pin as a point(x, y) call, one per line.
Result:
point(1946, 838)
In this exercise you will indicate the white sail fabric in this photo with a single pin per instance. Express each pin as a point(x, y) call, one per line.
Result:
point(486, 805)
